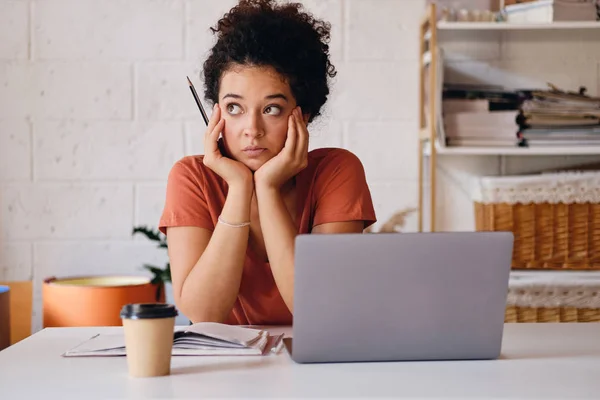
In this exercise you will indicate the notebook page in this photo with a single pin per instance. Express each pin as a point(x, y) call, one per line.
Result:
point(229, 333)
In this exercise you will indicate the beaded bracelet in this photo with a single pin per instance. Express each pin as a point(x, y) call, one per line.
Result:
point(233, 225)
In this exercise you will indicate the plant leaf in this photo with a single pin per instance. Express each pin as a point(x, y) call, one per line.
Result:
point(160, 275)
point(152, 268)
point(154, 235)
point(166, 273)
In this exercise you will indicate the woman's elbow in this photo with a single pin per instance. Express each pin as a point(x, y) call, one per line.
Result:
point(196, 313)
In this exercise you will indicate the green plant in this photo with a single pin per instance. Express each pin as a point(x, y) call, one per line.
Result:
point(159, 275)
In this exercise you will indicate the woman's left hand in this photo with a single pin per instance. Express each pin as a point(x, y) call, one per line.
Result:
point(292, 159)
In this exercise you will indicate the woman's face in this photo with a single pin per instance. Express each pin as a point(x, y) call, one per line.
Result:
point(255, 103)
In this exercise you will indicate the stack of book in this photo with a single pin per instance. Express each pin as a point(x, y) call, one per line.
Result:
point(479, 115)
point(559, 118)
point(490, 116)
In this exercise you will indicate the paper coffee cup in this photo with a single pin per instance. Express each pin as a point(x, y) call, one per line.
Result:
point(149, 330)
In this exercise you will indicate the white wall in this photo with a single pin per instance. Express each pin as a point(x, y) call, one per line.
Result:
point(95, 109)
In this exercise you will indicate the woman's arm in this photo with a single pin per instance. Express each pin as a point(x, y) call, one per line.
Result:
point(280, 232)
point(277, 226)
point(206, 267)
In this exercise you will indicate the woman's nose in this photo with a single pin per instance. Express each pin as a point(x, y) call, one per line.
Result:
point(254, 126)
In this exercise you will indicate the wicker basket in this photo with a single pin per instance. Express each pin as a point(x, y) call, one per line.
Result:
point(555, 218)
point(546, 296)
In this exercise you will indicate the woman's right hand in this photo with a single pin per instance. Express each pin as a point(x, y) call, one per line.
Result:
point(232, 171)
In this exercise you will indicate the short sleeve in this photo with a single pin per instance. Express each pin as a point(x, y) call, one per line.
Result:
point(341, 191)
point(185, 202)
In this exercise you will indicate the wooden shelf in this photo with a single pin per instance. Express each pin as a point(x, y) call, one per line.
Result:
point(512, 151)
point(457, 26)
point(432, 36)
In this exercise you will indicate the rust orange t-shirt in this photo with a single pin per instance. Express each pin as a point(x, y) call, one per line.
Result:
point(332, 188)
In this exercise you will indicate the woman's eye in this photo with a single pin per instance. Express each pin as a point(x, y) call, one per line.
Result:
point(233, 109)
point(273, 110)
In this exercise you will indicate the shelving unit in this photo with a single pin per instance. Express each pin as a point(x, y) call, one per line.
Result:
point(495, 26)
point(429, 147)
point(512, 151)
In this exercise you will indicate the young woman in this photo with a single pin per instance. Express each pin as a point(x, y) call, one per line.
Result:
point(231, 215)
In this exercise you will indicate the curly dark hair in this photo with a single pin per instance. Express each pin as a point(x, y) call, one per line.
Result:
point(263, 33)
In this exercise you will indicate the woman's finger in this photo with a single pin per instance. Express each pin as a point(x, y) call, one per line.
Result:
point(290, 142)
point(210, 144)
point(215, 118)
point(302, 147)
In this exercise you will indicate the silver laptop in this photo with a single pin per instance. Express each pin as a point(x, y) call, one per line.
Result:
point(400, 296)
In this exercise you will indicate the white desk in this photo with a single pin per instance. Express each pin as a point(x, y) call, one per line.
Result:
point(539, 361)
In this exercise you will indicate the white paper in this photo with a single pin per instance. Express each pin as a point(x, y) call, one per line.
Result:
point(200, 339)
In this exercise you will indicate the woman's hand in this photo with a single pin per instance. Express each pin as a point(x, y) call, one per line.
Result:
point(232, 171)
point(292, 159)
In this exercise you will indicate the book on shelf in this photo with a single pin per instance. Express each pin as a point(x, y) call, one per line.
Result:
point(568, 133)
point(483, 120)
point(202, 338)
point(492, 132)
point(478, 115)
point(451, 106)
point(563, 136)
point(556, 107)
point(561, 143)
point(556, 117)
point(547, 107)
point(470, 122)
point(558, 95)
point(455, 105)
point(539, 120)
point(496, 97)
point(481, 142)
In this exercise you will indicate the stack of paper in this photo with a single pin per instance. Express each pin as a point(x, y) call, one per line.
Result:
point(203, 338)
point(560, 118)
point(558, 108)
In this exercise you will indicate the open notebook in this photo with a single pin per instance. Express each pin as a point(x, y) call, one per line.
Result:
point(203, 338)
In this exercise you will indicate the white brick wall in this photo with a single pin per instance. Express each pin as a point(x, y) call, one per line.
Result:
point(372, 141)
point(14, 30)
point(58, 210)
point(66, 89)
point(116, 29)
point(162, 92)
point(15, 142)
point(17, 261)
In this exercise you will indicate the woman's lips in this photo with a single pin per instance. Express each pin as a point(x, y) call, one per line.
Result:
point(253, 151)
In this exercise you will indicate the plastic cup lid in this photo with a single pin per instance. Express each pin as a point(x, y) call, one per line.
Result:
point(148, 311)
point(4, 288)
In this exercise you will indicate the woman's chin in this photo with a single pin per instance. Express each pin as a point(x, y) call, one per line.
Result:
point(253, 164)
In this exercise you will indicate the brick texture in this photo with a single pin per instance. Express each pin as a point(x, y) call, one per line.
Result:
point(14, 30)
point(109, 29)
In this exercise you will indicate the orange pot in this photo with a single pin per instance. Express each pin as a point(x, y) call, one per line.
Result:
point(94, 300)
